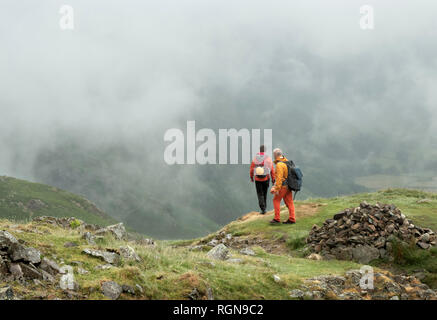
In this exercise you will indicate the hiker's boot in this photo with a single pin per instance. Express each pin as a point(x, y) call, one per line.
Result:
point(289, 222)
point(263, 212)
point(274, 221)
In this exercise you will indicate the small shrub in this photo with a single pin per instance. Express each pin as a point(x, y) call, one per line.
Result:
point(74, 224)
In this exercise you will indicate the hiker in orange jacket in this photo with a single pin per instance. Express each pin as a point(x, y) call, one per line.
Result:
point(281, 190)
point(261, 171)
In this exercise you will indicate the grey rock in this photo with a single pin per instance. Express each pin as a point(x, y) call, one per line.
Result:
point(213, 243)
point(69, 285)
point(342, 253)
point(18, 252)
point(109, 257)
point(6, 239)
point(50, 266)
point(219, 252)
point(15, 270)
point(425, 237)
point(276, 278)
point(129, 253)
point(140, 288)
point(365, 254)
point(111, 289)
point(247, 252)
point(423, 245)
point(117, 230)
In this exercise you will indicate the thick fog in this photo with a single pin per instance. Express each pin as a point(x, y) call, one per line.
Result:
point(87, 109)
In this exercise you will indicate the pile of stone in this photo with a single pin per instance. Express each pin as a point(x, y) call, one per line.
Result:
point(18, 262)
point(383, 286)
point(362, 233)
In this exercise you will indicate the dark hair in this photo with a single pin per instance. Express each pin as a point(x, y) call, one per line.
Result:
point(261, 148)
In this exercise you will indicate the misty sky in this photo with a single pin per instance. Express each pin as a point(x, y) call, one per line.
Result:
point(130, 70)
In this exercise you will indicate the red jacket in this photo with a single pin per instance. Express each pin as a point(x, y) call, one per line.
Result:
point(267, 162)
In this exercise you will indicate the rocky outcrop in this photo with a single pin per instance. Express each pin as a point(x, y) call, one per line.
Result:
point(128, 253)
point(107, 256)
point(66, 223)
point(117, 230)
point(6, 239)
point(50, 266)
point(18, 262)
point(363, 233)
point(219, 252)
point(18, 252)
point(385, 286)
point(111, 289)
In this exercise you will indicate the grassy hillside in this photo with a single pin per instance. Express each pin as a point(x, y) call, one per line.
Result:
point(174, 269)
point(280, 240)
point(22, 200)
point(316, 211)
point(168, 272)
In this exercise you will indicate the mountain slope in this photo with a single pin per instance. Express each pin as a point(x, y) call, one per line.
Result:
point(22, 200)
point(276, 267)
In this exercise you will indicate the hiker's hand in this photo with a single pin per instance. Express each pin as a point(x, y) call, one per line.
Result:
point(251, 179)
point(272, 191)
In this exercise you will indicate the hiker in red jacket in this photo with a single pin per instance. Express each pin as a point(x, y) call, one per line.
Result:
point(261, 170)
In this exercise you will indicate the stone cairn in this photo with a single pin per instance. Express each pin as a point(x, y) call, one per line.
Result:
point(363, 233)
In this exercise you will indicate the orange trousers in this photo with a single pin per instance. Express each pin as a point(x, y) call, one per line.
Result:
point(287, 195)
